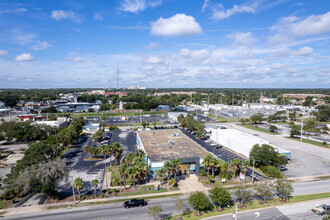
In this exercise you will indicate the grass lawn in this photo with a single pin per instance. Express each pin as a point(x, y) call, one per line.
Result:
point(310, 142)
point(255, 205)
point(323, 177)
point(114, 201)
point(143, 191)
point(63, 152)
point(257, 129)
point(224, 119)
point(5, 204)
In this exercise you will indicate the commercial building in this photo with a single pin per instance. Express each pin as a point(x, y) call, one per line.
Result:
point(173, 116)
point(61, 122)
point(91, 128)
point(241, 142)
point(164, 145)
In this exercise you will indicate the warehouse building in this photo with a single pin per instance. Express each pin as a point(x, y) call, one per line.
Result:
point(241, 142)
point(164, 145)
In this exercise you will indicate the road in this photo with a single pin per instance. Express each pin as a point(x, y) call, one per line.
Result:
point(298, 211)
point(116, 211)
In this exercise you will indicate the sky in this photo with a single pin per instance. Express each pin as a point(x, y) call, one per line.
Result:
point(165, 43)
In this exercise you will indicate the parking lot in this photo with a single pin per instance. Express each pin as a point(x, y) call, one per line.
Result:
point(122, 120)
point(306, 159)
point(222, 153)
point(92, 169)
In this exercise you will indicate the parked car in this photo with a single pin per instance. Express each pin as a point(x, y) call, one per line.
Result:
point(282, 168)
point(104, 142)
point(79, 140)
point(213, 144)
point(134, 202)
point(218, 147)
point(321, 209)
point(208, 140)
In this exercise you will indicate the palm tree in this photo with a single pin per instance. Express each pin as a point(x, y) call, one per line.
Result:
point(208, 159)
point(176, 165)
point(129, 158)
point(161, 172)
point(245, 165)
point(140, 154)
point(117, 150)
point(168, 169)
point(143, 169)
point(134, 171)
point(124, 171)
point(95, 183)
point(235, 164)
point(78, 184)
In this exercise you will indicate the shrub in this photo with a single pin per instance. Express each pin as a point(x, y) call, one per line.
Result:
point(116, 181)
point(324, 143)
point(202, 172)
point(272, 171)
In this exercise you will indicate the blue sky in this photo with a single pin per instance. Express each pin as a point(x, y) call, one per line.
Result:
point(165, 43)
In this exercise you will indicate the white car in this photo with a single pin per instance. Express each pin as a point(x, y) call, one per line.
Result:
point(208, 140)
point(213, 144)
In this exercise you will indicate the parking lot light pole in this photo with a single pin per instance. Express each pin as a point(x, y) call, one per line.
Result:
point(253, 172)
point(228, 169)
point(301, 129)
point(105, 171)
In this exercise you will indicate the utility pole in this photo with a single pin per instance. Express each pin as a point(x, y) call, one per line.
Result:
point(74, 197)
point(253, 172)
point(301, 129)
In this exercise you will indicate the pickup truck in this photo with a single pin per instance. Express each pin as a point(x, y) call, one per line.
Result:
point(321, 209)
point(134, 202)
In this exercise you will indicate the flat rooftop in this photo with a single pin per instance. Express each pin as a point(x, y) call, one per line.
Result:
point(158, 149)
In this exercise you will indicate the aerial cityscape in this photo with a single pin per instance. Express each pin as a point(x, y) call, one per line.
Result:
point(165, 109)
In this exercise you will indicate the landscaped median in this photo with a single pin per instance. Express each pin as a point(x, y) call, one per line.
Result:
point(252, 205)
point(310, 142)
point(257, 129)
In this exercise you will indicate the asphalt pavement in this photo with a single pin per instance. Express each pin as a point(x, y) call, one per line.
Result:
point(221, 153)
point(298, 211)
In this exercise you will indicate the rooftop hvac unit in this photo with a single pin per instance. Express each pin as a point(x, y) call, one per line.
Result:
point(175, 134)
point(170, 143)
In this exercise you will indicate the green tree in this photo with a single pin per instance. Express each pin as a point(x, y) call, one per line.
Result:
point(144, 123)
point(124, 172)
point(98, 135)
point(235, 163)
point(265, 189)
point(154, 211)
point(176, 165)
point(199, 201)
point(78, 184)
point(134, 172)
point(160, 173)
point(266, 155)
point(257, 118)
point(220, 196)
point(242, 192)
point(294, 132)
point(168, 169)
point(208, 162)
point(283, 188)
point(273, 128)
point(117, 151)
point(95, 184)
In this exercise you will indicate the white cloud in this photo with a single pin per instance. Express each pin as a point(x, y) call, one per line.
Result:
point(154, 60)
point(60, 15)
point(136, 6)
point(75, 59)
point(3, 52)
point(289, 28)
point(41, 45)
point(194, 54)
point(241, 38)
point(24, 57)
point(97, 16)
point(153, 45)
point(304, 51)
point(277, 66)
point(220, 13)
point(205, 5)
point(177, 25)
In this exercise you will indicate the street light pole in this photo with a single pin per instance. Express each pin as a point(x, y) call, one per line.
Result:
point(234, 212)
point(105, 172)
